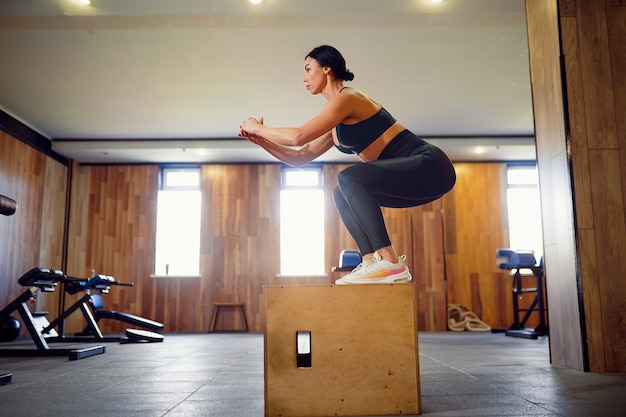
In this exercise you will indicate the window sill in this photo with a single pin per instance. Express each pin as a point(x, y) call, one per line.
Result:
point(175, 276)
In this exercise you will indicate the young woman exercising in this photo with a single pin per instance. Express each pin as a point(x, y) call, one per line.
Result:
point(399, 169)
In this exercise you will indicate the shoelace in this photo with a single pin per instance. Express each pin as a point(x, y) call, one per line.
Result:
point(371, 264)
point(361, 266)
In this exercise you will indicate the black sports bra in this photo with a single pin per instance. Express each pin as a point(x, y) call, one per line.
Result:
point(356, 137)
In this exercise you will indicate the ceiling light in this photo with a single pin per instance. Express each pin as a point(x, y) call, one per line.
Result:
point(85, 2)
point(436, 1)
point(255, 1)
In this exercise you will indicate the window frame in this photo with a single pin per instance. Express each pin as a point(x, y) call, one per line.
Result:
point(284, 186)
point(527, 186)
point(164, 170)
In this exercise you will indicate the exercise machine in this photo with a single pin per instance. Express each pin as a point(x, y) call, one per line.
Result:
point(92, 308)
point(40, 280)
point(516, 261)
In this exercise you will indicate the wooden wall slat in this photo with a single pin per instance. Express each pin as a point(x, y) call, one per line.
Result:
point(610, 244)
point(593, 299)
point(567, 8)
point(577, 122)
point(566, 340)
point(616, 21)
point(596, 74)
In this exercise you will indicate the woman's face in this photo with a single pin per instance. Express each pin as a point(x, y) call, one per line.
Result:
point(314, 76)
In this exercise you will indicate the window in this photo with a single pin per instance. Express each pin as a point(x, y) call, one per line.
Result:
point(178, 223)
point(524, 209)
point(302, 222)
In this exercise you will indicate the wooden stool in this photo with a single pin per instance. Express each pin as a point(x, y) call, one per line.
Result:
point(216, 312)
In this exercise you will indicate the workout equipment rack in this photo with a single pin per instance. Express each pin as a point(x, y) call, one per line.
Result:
point(44, 280)
point(511, 260)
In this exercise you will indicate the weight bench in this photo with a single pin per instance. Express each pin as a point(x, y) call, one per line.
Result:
point(511, 260)
point(92, 308)
point(149, 328)
point(44, 280)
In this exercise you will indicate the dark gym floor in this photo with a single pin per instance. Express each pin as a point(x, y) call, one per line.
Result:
point(221, 375)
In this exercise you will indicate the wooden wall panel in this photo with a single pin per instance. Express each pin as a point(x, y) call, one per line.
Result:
point(476, 226)
point(583, 158)
point(33, 236)
point(566, 340)
point(112, 231)
point(594, 40)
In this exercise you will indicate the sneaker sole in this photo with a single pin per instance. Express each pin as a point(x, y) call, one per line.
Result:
point(394, 279)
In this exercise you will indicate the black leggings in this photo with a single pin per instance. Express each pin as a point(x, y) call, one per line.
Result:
point(405, 181)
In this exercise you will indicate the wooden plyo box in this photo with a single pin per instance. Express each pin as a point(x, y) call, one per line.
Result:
point(363, 350)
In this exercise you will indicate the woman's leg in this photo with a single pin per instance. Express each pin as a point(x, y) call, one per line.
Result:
point(352, 224)
point(400, 182)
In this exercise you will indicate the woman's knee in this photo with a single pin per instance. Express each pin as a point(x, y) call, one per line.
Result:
point(338, 197)
point(346, 182)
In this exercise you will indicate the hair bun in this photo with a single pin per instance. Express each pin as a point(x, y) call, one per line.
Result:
point(328, 56)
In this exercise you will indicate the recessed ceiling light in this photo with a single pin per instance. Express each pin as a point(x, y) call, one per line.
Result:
point(436, 1)
point(85, 2)
point(255, 1)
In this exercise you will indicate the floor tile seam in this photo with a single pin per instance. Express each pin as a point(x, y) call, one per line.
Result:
point(448, 365)
point(183, 400)
point(541, 405)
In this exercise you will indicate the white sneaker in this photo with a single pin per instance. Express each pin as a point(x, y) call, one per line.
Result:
point(379, 271)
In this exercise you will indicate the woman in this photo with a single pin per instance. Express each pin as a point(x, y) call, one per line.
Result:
point(399, 169)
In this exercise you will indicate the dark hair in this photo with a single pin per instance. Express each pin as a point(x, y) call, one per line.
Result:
point(327, 56)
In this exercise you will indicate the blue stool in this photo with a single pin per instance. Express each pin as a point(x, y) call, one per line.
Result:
point(348, 260)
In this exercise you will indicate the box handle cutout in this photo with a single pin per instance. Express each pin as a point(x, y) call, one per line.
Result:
point(303, 349)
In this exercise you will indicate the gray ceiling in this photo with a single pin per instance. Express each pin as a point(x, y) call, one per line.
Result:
point(170, 81)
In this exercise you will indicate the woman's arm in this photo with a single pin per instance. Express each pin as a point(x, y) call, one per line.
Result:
point(335, 111)
point(294, 156)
